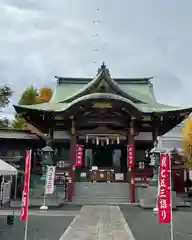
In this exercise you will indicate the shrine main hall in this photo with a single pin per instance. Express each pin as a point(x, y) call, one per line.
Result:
point(103, 115)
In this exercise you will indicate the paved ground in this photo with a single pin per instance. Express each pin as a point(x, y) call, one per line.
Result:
point(98, 223)
point(144, 224)
point(41, 227)
point(55, 213)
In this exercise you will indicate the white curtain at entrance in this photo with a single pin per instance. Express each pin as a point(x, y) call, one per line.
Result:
point(117, 159)
point(88, 158)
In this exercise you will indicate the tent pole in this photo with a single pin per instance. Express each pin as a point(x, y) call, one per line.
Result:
point(15, 191)
point(2, 190)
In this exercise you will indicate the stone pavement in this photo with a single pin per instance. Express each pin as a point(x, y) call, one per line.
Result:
point(98, 223)
point(54, 213)
point(144, 224)
point(39, 227)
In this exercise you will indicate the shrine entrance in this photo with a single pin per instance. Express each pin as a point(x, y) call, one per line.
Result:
point(102, 156)
point(105, 160)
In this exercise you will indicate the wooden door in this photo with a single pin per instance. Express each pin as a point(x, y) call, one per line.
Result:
point(178, 180)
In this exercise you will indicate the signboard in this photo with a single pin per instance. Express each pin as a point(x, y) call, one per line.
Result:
point(79, 155)
point(119, 176)
point(164, 199)
point(59, 178)
point(25, 197)
point(49, 186)
point(59, 135)
point(144, 136)
point(102, 105)
point(130, 155)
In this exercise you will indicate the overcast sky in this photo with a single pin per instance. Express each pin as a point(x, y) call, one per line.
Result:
point(136, 38)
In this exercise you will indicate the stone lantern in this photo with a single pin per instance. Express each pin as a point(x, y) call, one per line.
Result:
point(155, 162)
point(47, 156)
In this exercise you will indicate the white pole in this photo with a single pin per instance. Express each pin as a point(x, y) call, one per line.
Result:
point(15, 189)
point(171, 200)
point(44, 207)
point(44, 199)
point(2, 190)
point(158, 189)
point(26, 227)
point(26, 222)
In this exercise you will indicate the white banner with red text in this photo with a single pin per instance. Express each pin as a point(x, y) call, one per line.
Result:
point(50, 179)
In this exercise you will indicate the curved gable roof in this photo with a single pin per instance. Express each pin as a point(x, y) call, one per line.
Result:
point(104, 75)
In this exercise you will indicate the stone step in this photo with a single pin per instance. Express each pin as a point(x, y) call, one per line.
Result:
point(99, 184)
point(99, 202)
point(95, 193)
point(101, 191)
point(84, 202)
point(101, 197)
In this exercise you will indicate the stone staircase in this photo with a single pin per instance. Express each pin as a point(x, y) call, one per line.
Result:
point(100, 193)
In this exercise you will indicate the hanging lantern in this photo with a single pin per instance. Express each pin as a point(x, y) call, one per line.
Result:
point(87, 139)
point(112, 141)
point(118, 141)
point(93, 141)
point(107, 141)
point(132, 130)
point(102, 143)
point(97, 141)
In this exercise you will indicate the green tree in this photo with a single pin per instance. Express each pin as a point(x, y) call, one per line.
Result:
point(5, 94)
point(27, 98)
point(31, 96)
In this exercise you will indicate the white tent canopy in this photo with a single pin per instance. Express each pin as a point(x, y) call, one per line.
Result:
point(6, 169)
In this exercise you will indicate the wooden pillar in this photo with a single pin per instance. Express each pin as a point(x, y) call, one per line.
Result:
point(154, 181)
point(155, 132)
point(131, 140)
point(73, 141)
point(72, 160)
point(34, 159)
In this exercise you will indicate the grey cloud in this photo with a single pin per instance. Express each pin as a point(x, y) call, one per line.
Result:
point(41, 39)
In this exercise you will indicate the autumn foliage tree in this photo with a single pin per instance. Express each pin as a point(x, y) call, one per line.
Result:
point(44, 95)
point(187, 143)
point(29, 97)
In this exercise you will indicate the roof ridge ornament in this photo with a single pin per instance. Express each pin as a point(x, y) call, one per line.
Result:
point(103, 68)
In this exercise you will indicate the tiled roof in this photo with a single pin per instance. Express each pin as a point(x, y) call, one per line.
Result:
point(17, 134)
point(135, 92)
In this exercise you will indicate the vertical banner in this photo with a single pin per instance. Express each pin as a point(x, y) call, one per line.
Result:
point(130, 155)
point(25, 196)
point(164, 198)
point(50, 179)
point(79, 155)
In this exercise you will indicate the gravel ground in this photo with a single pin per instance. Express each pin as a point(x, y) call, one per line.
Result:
point(144, 224)
point(39, 228)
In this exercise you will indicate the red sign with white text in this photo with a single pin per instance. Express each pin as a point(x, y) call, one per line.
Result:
point(79, 155)
point(130, 155)
point(25, 197)
point(164, 203)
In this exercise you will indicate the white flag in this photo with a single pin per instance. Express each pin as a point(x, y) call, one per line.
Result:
point(50, 178)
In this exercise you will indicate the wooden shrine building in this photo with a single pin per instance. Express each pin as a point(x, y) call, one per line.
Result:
point(103, 114)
